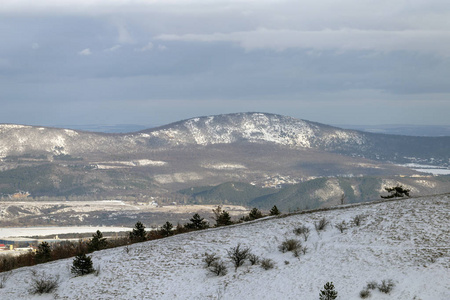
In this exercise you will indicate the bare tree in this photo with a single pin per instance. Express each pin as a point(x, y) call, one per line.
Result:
point(43, 283)
point(253, 258)
point(357, 220)
point(219, 268)
point(210, 258)
point(343, 199)
point(238, 255)
point(303, 230)
point(341, 226)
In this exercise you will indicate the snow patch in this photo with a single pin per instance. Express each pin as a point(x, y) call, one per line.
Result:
point(149, 162)
point(331, 190)
point(435, 170)
point(70, 132)
point(12, 126)
point(223, 166)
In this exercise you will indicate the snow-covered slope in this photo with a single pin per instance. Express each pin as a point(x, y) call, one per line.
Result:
point(261, 128)
point(222, 129)
point(406, 241)
point(257, 127)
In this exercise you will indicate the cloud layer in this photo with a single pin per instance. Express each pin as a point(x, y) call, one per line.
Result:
point(157, 61)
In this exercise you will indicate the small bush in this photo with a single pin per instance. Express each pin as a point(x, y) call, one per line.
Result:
point(304, 250)
point(290, 245)
point(328, 292)
point(4, 278)
point(82, 265)
point(218, 268)
point(305, 233)
point(274, 211)
point(210, 258)
point(341, 226)
point(358, 219)
point(253, 259)
point(238, 255)
point(386, 286)
point(364, 294)
point(42, 283)
point(97, 271)
point(372, 285)
point(302, 230)
point(321, 225)
point(267, 264)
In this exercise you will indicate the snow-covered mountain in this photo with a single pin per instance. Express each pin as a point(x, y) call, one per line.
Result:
point(259, 128)
point(257, 148)
point(222, 129)
point(405, 241)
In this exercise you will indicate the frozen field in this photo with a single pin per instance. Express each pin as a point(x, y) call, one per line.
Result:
point(428, 169)
point(406, 241)
point(43, 231)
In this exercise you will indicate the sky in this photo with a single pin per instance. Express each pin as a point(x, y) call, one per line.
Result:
point(159, 61)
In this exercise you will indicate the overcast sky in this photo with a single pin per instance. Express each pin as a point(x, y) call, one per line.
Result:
point(155, 62)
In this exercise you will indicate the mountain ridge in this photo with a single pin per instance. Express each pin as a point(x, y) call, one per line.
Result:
point(208, 130)
point(243, 147)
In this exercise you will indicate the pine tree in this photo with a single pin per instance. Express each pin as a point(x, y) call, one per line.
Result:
point(222, 217)
point(43, 253)
point(97, 242)
point(82, 265)
point(396, 192)
point(197, 222)
point(166, 229)
point(274, 211)
point(255, 214)
point(328, 292)
point(138, 234)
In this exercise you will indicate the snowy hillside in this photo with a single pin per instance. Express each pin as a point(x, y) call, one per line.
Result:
point(406, 241)
point(221, 129)
point(261, 128)
point(257, 127)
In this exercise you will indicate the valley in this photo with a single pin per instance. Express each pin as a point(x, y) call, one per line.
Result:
point(245, 159)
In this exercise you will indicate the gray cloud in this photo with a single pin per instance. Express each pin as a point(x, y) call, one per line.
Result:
point(341, 40)
point(122, 61)
point(85, 52)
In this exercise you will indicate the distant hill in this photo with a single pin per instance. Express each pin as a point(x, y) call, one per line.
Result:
point(238, 193)
point(316, 193)
point(258, 148)
point(412, 130)
point(116, 128)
